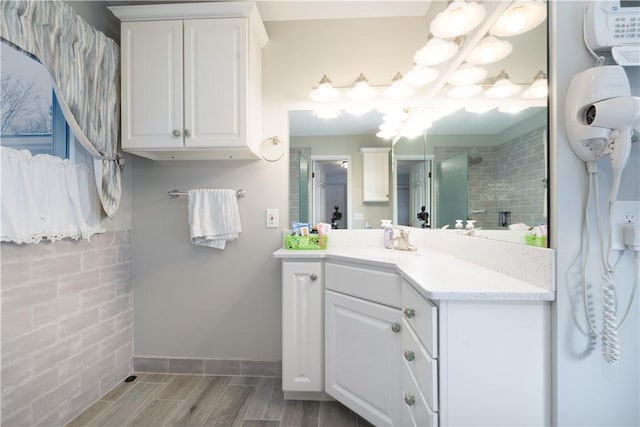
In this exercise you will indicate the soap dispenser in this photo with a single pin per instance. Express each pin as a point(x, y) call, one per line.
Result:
point(459, 225)
point(470, 225)
point(388, 235)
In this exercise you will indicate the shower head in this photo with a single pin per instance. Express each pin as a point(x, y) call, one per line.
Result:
point(474, 160)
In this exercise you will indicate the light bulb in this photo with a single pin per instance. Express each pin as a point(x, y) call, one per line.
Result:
point(325, 92)
point(435, 51)
point(386, 134)
point(521, 17)
point(465, 91)
point(539, 87)
point(468, 74)
point(361, 90)
point(502, 88)
point(420, 75)
point(458, 18)
point(398, 89)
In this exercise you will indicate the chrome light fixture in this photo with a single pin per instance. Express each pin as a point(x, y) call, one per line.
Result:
point(458, 18)
point(520, 17)
point(539, 87)
point(436, 51)
point(488, 50)
point(503, 87)
point(467, 74)
point(361, 90)
point(325, 92)
point(398, 88)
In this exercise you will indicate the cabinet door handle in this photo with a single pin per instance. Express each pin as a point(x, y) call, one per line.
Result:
point(395, 327)
point(409, 355)
point(187, 133)
point(313, 277)
point(409, 399)
point(176, 132)
point(409, 312)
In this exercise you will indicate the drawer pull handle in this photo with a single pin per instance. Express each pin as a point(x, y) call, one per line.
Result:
point(409, 312)
point(409, 399)
point(395, 327)
point(313, 277)
point(409, 355)
point(176, 132)
point(187, 133)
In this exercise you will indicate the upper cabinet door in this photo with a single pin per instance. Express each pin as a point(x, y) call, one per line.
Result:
point(152, 115)
point(375, 174)
point(215, 82)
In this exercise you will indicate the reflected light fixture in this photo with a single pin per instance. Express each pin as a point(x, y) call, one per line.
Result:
point(325, 92)
point(467, 74)
point(478, 109)
point(386, 134)
point(520, 17)
point(436, 51)
point(361, 90)
point(327, 113)
point(358, 110)
point(398, 89)
point(420, 75)
point(395, 116)
point(464, 91)
point(503, 87)
point(458, 18)
point(539, 87)
point(488, 50)
point(511, 109)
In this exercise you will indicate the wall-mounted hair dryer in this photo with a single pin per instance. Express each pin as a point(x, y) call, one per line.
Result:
point(601, 116)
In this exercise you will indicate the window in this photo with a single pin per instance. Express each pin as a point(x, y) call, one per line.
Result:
point(30, 116)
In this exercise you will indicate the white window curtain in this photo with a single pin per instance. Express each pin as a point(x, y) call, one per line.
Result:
point(45, 197)
point(83, 63)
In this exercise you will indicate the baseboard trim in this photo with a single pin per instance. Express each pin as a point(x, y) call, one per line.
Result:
point(170, 365)
point(307, 395)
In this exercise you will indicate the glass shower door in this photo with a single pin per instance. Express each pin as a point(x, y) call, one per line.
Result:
point(452, 190)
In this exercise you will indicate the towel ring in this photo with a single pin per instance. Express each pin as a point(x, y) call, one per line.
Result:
point(272, 149)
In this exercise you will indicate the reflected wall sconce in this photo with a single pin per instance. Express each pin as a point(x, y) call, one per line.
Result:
point(467, 74)
point(361, 90)
point(325, 92)
point(420, 75)
point(488, 50)
point(398, 88)
point(437, 51)
point(503, 87)
point(458, 18)
point(539, 88)
point(520, 17)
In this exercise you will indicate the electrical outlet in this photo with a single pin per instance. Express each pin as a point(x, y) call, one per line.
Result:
point(272, 218)
point(623, 212)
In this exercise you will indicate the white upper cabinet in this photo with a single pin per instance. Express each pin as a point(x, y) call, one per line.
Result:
point(191, 81)
point(375, 174)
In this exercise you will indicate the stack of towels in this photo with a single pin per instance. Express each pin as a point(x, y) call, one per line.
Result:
point(214, 218)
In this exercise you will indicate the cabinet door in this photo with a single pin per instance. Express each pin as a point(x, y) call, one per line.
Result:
point(152, 85)
point(215, 82)
point(302, 326)
point(363, 357)
point(375, 174)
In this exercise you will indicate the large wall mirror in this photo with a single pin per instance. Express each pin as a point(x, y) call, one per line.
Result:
point(489, 167)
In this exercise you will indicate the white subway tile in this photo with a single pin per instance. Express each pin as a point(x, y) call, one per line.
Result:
point(97, 333)
point(28, 343)
point(55, 310)
point(79, 322)
point(76, 283)
point(48, 403)
point(15, 273)
point(113, 308)
point(96, 259)
point(17, 323)
point(26, 296)
point(22, 396)
point(46, 268)
point(115, 273)
point(97, 296)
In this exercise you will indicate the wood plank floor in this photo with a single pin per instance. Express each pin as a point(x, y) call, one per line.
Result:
point(197, 400)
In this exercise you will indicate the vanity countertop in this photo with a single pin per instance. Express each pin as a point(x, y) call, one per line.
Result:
point(434, 274)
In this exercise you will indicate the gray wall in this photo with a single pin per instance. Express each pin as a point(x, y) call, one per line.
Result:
point(587, 390)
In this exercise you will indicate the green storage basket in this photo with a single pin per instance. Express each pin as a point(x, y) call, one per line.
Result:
point(311, 242)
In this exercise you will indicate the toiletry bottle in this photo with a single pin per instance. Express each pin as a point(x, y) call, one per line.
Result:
point(470, 225)
point(388, 236)
point(459, 225)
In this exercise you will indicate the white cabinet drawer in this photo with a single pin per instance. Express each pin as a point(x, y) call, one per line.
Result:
point(422, 315)
point(373, 285)
point(416, 411)
point(422, 366)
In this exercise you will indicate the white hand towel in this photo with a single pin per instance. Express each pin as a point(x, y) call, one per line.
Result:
point(214, 217)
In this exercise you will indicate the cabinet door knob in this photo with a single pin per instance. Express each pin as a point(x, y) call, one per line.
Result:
point(187, 133)
point(409, 312)
point(395, 327)
point(176, 132)
point(409, 355)
point(409, 399)
point(313, 277)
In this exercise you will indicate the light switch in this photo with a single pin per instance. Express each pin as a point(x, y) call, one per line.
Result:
point(272, 218)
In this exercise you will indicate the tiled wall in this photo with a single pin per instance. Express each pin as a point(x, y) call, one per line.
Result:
point(294, 180)
point(520, 172)
point(67, 326)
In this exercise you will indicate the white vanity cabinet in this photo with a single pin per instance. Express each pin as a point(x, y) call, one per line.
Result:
point(302, 327)
point(363, 341)
point(191, 81)
point(375, 174)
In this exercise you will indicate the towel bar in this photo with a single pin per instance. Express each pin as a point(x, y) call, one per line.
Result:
point(240, 193)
